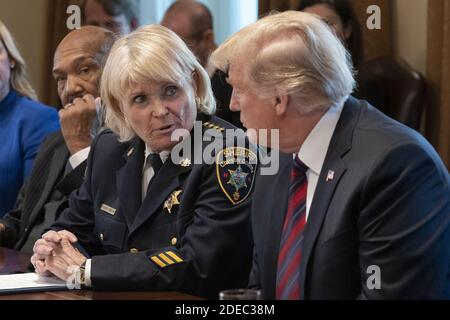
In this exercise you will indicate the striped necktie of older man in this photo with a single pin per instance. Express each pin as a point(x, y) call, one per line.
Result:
point(290, 254)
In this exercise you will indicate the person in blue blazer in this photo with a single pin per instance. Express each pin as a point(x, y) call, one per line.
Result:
point(24, 122)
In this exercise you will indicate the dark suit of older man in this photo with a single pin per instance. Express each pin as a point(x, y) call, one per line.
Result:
point(50, 184)
point(381, 208)
point(53, 178)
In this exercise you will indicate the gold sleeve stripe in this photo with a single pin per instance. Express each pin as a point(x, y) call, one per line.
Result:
point(165, 258)
point(174, 256)
point(156, 260)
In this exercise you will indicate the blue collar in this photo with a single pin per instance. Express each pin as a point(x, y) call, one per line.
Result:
point(9, 101)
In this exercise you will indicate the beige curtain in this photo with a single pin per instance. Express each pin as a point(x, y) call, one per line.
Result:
point(56, 31)
point(438, 77)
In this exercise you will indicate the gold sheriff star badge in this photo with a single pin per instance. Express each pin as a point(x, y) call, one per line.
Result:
point(172, 200)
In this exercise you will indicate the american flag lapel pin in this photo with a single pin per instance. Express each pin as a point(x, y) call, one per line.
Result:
point(330, 175)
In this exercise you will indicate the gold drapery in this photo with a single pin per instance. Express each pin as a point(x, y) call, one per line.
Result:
point(438, 77)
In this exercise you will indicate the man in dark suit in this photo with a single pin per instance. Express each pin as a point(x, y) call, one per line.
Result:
point(61, 162)
point(362, 207)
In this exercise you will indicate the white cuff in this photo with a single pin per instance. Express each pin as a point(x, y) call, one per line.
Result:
point(79, 157)
point(87, 274)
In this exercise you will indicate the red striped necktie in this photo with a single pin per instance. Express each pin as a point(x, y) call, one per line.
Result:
point(288, 273)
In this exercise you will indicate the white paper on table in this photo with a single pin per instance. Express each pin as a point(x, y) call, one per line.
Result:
point(26, 282)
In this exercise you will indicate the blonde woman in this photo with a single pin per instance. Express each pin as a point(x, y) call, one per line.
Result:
point(147, 221)
point(24, 122)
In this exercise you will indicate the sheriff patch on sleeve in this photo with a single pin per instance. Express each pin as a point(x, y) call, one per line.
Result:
point(236, 170)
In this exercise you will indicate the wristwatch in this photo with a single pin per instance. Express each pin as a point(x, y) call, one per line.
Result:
point(81, 275)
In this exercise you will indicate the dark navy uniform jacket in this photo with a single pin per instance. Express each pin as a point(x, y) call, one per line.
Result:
point(192, 231)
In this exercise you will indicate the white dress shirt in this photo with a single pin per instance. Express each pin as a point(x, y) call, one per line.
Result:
point(147, 170)
point(76, 159)
point(315, 148)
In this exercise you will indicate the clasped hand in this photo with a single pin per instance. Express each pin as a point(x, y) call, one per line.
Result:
point(55, 254)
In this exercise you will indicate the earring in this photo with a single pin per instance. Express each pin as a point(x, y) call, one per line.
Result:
point(198, 102)
point(12, 66)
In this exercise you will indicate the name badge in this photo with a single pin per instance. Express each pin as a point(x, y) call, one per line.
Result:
point(108, 209)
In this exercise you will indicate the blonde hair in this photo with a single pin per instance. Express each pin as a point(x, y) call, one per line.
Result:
point(291, 53)
point(19, 77)
point(150, 54)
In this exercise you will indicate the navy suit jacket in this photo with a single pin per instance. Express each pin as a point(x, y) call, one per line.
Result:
point(388, 206)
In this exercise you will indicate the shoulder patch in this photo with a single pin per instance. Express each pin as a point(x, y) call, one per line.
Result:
point(236, 171)
point(210, 125)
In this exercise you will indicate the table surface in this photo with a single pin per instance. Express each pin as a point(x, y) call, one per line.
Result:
point(16, 262)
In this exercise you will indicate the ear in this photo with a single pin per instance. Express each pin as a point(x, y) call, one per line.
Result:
point(195, 81)
point(208, 37)
point(348, 32)
point(12, 63)
point(281, 104)
point(134, 24)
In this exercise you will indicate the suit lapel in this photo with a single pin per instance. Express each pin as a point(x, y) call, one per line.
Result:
point(340, 144)
point(55, 169)
point(72, 180)
point(323, 193)
point(129, 181)
point(274, 224)
point(164, 183)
